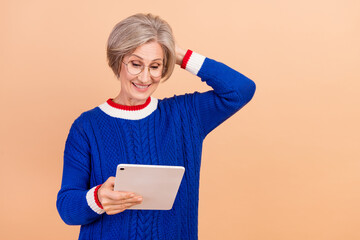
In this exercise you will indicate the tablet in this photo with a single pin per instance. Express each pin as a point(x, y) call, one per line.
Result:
point(158, 185)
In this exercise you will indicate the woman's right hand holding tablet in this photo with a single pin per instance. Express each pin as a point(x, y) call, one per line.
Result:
point(115, 202)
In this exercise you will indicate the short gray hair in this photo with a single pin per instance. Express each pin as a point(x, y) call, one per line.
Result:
point(136, 30)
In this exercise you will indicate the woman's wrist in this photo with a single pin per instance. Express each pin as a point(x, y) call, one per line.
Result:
point(91, 198)
point(180, 53)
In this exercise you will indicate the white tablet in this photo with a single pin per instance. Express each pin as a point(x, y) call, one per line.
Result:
point(158, 185)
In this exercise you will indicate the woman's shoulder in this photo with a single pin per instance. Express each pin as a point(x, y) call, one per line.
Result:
point(171, 102)
point(178, 99)
point(183, 104)
point(86, 117)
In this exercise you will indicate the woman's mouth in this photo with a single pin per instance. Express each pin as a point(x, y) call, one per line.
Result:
point(141, 87)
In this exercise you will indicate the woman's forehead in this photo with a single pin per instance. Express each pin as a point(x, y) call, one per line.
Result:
point(140, 58)
point(151, 51)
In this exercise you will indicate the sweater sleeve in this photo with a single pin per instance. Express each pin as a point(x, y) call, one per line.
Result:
point(76, 203)
point(231, 90)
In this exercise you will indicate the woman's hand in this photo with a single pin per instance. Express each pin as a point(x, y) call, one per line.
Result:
point(180, 53)
point(115, 202)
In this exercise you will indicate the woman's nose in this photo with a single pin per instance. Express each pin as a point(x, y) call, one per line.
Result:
point(145, 75)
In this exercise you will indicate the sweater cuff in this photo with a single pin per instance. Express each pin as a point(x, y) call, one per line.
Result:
point(93, 201)
point(193, 62)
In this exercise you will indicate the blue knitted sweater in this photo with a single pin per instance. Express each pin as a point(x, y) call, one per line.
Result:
point(165, 132)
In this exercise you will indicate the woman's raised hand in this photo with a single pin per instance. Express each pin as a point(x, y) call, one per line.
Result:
point(115, 202)
point(180, 53)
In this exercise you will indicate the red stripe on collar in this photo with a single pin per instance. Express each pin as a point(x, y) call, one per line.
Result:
point(129, 108)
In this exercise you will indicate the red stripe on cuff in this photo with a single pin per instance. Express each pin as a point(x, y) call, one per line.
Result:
point(96, 196)
point(186, 58)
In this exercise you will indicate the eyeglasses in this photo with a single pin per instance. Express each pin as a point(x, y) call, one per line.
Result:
point(136, 67)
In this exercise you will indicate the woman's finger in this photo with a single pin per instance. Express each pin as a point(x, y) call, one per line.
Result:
point(135, 200)
point(111, 202)
point(121, 207)
point(116, 196)
point(114, 209)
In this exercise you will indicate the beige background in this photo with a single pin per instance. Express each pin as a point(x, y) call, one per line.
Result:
point(286, 167)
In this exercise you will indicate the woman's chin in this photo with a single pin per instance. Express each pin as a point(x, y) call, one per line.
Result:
point(139, 99)
point(141, 95)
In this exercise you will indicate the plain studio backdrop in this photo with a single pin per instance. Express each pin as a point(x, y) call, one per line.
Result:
point(285, 167)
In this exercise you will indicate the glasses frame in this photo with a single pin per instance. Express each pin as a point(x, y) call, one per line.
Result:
point(144, 66)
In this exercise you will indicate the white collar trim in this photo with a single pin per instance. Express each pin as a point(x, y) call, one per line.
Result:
point(130, 115)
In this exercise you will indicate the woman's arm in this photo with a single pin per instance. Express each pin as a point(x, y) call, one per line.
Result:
point(231, 90)
point(76, 203)
point(74, 198)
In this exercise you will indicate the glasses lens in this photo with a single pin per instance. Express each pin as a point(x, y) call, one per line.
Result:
point(156, 70)
point(135, 67)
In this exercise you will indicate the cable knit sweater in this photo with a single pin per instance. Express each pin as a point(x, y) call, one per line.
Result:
point(160, 132)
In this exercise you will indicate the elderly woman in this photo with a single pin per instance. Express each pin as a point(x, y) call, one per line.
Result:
point(136, 128)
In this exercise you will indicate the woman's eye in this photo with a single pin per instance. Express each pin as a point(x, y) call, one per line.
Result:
point(154, 67)
point(135, 64)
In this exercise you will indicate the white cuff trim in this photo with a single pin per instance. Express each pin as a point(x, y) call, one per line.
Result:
point(91, 201)
point(195, 63)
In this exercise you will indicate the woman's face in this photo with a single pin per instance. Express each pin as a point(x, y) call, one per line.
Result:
point(136, 89)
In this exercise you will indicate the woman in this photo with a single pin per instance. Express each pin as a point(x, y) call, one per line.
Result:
point(136, 128)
